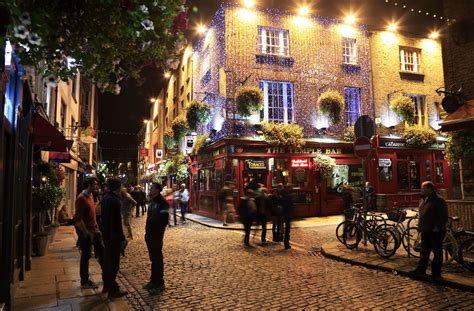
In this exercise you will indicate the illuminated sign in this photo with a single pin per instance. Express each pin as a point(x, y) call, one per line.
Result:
point(256, 164)
point(299, 163)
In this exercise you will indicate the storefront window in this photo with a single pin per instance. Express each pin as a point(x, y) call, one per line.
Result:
point(385, 169)
point(439, 173)
point(207, 179)
point(408, 175)
point(280, 171)
point(348, 174)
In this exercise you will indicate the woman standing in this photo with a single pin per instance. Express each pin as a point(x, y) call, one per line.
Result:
point(126, 207)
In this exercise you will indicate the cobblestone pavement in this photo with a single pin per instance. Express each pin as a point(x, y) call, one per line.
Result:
point(209, 268)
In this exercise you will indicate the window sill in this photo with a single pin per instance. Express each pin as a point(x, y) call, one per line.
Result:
point(269, 59)
point(410, 75)
point(350, 68)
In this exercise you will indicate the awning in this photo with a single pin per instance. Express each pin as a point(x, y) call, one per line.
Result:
point(59, 157)
point(48, 137)
point(461, 119)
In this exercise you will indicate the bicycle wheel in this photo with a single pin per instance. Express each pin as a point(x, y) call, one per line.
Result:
point(395, 230)
point(340, 230)
point(385, 242)
point(450, 248)
point(466, 254)
point(352, 236)
point(411, 240)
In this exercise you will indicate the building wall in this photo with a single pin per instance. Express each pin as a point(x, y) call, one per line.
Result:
point(458, 56)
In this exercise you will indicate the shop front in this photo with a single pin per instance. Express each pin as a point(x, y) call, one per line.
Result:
point(397, 171)
point(247, 163)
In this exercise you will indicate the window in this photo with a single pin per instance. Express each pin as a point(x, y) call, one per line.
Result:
point(155, 122)
point(420, 108)
point(410, 59)
point(273, 41)
point(352, 101)
point(349, 51)
point(63, 114)
point(278, 99)
point(280, 170)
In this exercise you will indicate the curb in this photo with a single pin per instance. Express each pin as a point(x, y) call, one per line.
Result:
point(215, 226)
point(425, 279)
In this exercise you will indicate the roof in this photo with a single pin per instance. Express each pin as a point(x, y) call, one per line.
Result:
point(461, 119)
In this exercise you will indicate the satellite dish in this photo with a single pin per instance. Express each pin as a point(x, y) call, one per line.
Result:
point(88, 139)
point(450, 103)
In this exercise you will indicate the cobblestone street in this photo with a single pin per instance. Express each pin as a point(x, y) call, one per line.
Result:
point(210, 268)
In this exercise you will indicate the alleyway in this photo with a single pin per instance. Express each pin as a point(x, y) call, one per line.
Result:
point(209, 268)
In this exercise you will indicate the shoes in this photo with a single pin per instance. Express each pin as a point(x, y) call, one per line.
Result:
point(155, 290)
point(418, 272)
point(436, 276)
point(117, 293)
point(89, 285)
point(148, 285)
point(264, 243)
point(184, 222)
point(225, 225)
point(287, 246)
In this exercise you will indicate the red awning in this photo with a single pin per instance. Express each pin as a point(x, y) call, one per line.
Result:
point(59, 157)
point(48, 137)
point(461, 119)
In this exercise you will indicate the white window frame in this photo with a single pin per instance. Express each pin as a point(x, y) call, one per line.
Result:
point(349, 51)
point(421, 108)
point(273, 41)
point(287, 100)
point(410, 59)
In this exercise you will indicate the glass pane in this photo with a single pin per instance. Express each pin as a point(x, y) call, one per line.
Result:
point(439, 173)
point(402, 172)
point(280, 171)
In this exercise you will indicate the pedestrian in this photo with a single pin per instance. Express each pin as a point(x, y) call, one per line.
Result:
point(276, 211)
point(287, 213)
point(432, 222)
point(86, 228)
point(263, 203)
point(370, 196)
point(157, 219)
point(226, 200)
point(183, 201)
point(176, 196)
point(169, 198)
point(127, 203)
point(114, 239)
point(247, 210)
point(134, 193)
point(142, 200)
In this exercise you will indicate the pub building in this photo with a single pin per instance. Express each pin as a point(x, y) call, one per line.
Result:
point(394, 169)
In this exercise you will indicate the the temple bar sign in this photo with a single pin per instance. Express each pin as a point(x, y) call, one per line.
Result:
point(308, 150)
point(256, 164)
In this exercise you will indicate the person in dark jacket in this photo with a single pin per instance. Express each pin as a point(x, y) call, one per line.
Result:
point(433, 217)
point(113, 237)
point(247, 210)
point(263, 203)
point(156, 222)
point(277, 225)
point(287, 213)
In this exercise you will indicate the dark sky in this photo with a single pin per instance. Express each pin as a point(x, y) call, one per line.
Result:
point(125, 113)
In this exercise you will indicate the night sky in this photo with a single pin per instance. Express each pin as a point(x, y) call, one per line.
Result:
point(125, 113)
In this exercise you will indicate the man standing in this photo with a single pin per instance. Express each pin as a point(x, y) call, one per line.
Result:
point(226, 200)
point(113, 236)
point(287, 213)
point(86, 228)
point(433, 217)
point(156, 222)
point(183, 201)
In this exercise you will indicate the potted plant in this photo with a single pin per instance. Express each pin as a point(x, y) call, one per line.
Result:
point(169, 138)
point(403, 107)
point(198, 113)
point(325, 165)
point(418, 135)
point(179, 127)
point(199, 143)
point(285, 135)
point(331, 103)
point(249, 100)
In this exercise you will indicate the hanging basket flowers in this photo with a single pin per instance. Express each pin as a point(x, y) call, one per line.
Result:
point(418, 135)
point(169, 138)
point(199, 143)
point(198, 113)
point(249, 100)
point(325, 165)
point(460, 145)
point(403, 107)
point(331, 103)
point(179, 127)
point(283, 135)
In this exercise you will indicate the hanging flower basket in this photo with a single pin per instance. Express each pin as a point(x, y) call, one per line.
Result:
point(283, 135)
point(179, 127)
point(325, 165)
point(460, 145)
point(349, 134)
point(403, 107)
point(199, 113)
point(199, 143)
point(182, 173)
point(418, 135)
point(249, 100)
point(331, 103)
point(168, 138)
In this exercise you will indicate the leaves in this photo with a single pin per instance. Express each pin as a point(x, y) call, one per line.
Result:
point(105, 39)
point(168, 138)
point(460, 145)
point(47, 196)
point(325, 165)
point(331, 103)
point(249, 100)
point(198, 113)
point(283, 134)
point(404, 108)
point(349, 134)
point(418, 135)
point(199, 143)
point(179, 127)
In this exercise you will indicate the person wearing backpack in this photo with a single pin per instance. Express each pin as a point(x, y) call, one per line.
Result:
point(247, 210)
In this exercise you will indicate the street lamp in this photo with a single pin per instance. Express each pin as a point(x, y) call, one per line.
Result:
point(201, 29)
point(434, 35)
point(392, 27)
point(249, 3)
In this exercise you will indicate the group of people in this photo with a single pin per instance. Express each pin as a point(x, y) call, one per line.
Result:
point(177, 198)
point(108, 239)
point(258, 205)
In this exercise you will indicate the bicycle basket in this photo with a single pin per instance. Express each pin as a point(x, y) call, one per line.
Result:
point(397, 215)
point(349, 213)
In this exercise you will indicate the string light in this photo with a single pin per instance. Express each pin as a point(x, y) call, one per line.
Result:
point(435, 16)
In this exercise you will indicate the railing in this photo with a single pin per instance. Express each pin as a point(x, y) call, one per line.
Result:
point(464, 210)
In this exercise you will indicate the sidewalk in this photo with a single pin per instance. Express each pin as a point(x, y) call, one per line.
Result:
point(454, 275)
point(54, 283)
point(237, 225)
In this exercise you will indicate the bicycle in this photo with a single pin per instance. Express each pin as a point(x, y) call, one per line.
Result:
point(466, 253)
point(382, 238)
point(452, 244)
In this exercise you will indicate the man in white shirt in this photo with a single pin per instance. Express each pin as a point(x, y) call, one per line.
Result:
point(183, 201)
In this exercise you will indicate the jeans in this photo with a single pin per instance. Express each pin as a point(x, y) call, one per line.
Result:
point(127, 223)
point(85, 244)
point(111, 265)
point(277, 232)
point(262, 219)
point(154, 241)
point(184, 208)
point(247, 222)
point(286, 239)
point(431, 242)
